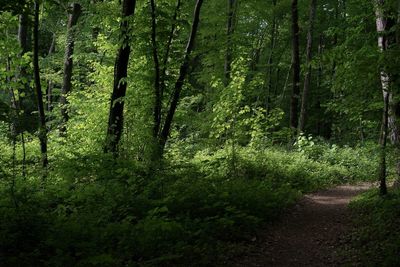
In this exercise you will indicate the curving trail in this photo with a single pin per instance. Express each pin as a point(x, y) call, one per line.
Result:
point(308, 235)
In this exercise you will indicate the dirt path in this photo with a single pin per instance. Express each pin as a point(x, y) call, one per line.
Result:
point(309, 235)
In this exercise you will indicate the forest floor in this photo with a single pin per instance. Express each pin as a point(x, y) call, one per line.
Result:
point(311, 234)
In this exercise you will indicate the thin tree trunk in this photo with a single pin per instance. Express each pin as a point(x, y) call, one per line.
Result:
point(182, 75)
point(116, 115)
point(50, 85)
point(383, 141)
point(285, 85)
point(38, 87)
point(394, 132)
point(15, 114)
point(307, 78)
point(168, 47)
point(16, 105)
point(294, 101)
point(394, 111)
point(157, 73)
point(73, 16)
point(23, 76)
point(230, 28)
point(271, 60)
point(23, 32)
point(319, 85)
point(383, 24)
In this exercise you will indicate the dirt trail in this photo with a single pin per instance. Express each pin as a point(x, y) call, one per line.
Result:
point(309, 234)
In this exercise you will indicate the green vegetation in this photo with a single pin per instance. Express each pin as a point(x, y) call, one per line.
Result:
point(376, 238)
point(86, 215)
point(161, 133)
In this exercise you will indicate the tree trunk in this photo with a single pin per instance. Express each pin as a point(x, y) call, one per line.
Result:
point(383, 138)
point(294, 101)
point(383, 24)
point(163, 74)
point(179, 82)
point(116, 115)
point(168, 47)
point(307, 78)
point(38, 87)
point(24, 32)
point(319, 87)
point(271, 60)
point(394, 111)
point(73, 16)
point(157, 73)
point(394, 133)
point(50, 84)
point(230, 28)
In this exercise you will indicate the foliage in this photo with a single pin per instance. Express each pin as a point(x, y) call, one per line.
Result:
point(376, 238)
point(231, 163)
point(87, 215)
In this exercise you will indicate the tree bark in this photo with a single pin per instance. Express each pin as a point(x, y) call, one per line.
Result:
point(24, 40)
point(383, 140)
point(307, 78)
point(38, 87)
point(116, 114)
point(163, 137)
point(294, 101)
point(271, 60)
point(157, 73)
point(168, 47)
point(319, 87)
point(394, 110)
point(23, 32)
point(73, 16)
point(383, 24)
point(230, 28)
point(50, 84)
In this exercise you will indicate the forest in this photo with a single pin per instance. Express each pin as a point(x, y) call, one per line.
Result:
point(199, 133)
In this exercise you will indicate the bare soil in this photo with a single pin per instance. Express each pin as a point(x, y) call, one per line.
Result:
point(311, 234)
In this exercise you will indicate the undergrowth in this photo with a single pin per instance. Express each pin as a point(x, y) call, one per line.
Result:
point(376, 237)
point(94, 211)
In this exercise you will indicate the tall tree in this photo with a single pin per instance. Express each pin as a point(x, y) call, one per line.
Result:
point(307, 78)
point(163, 74)
point(294, 101)
point(50, 83)
point(157, 72)
point(73, 16)
point(230, 28)
point(116, 114)
point(274, 30)
point(385, 39)
point(23, 25)
point(183, 71)
point(394, 109)
point(38, 87)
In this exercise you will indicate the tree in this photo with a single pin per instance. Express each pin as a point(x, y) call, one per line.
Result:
point(116, 114)
point(157, 72)
point(294, 101)
point(307, 78)
point(38, 87)
point(73, 16)
point(230, 29)
point(273, 37)
point(383, 25)
point(183, 71)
